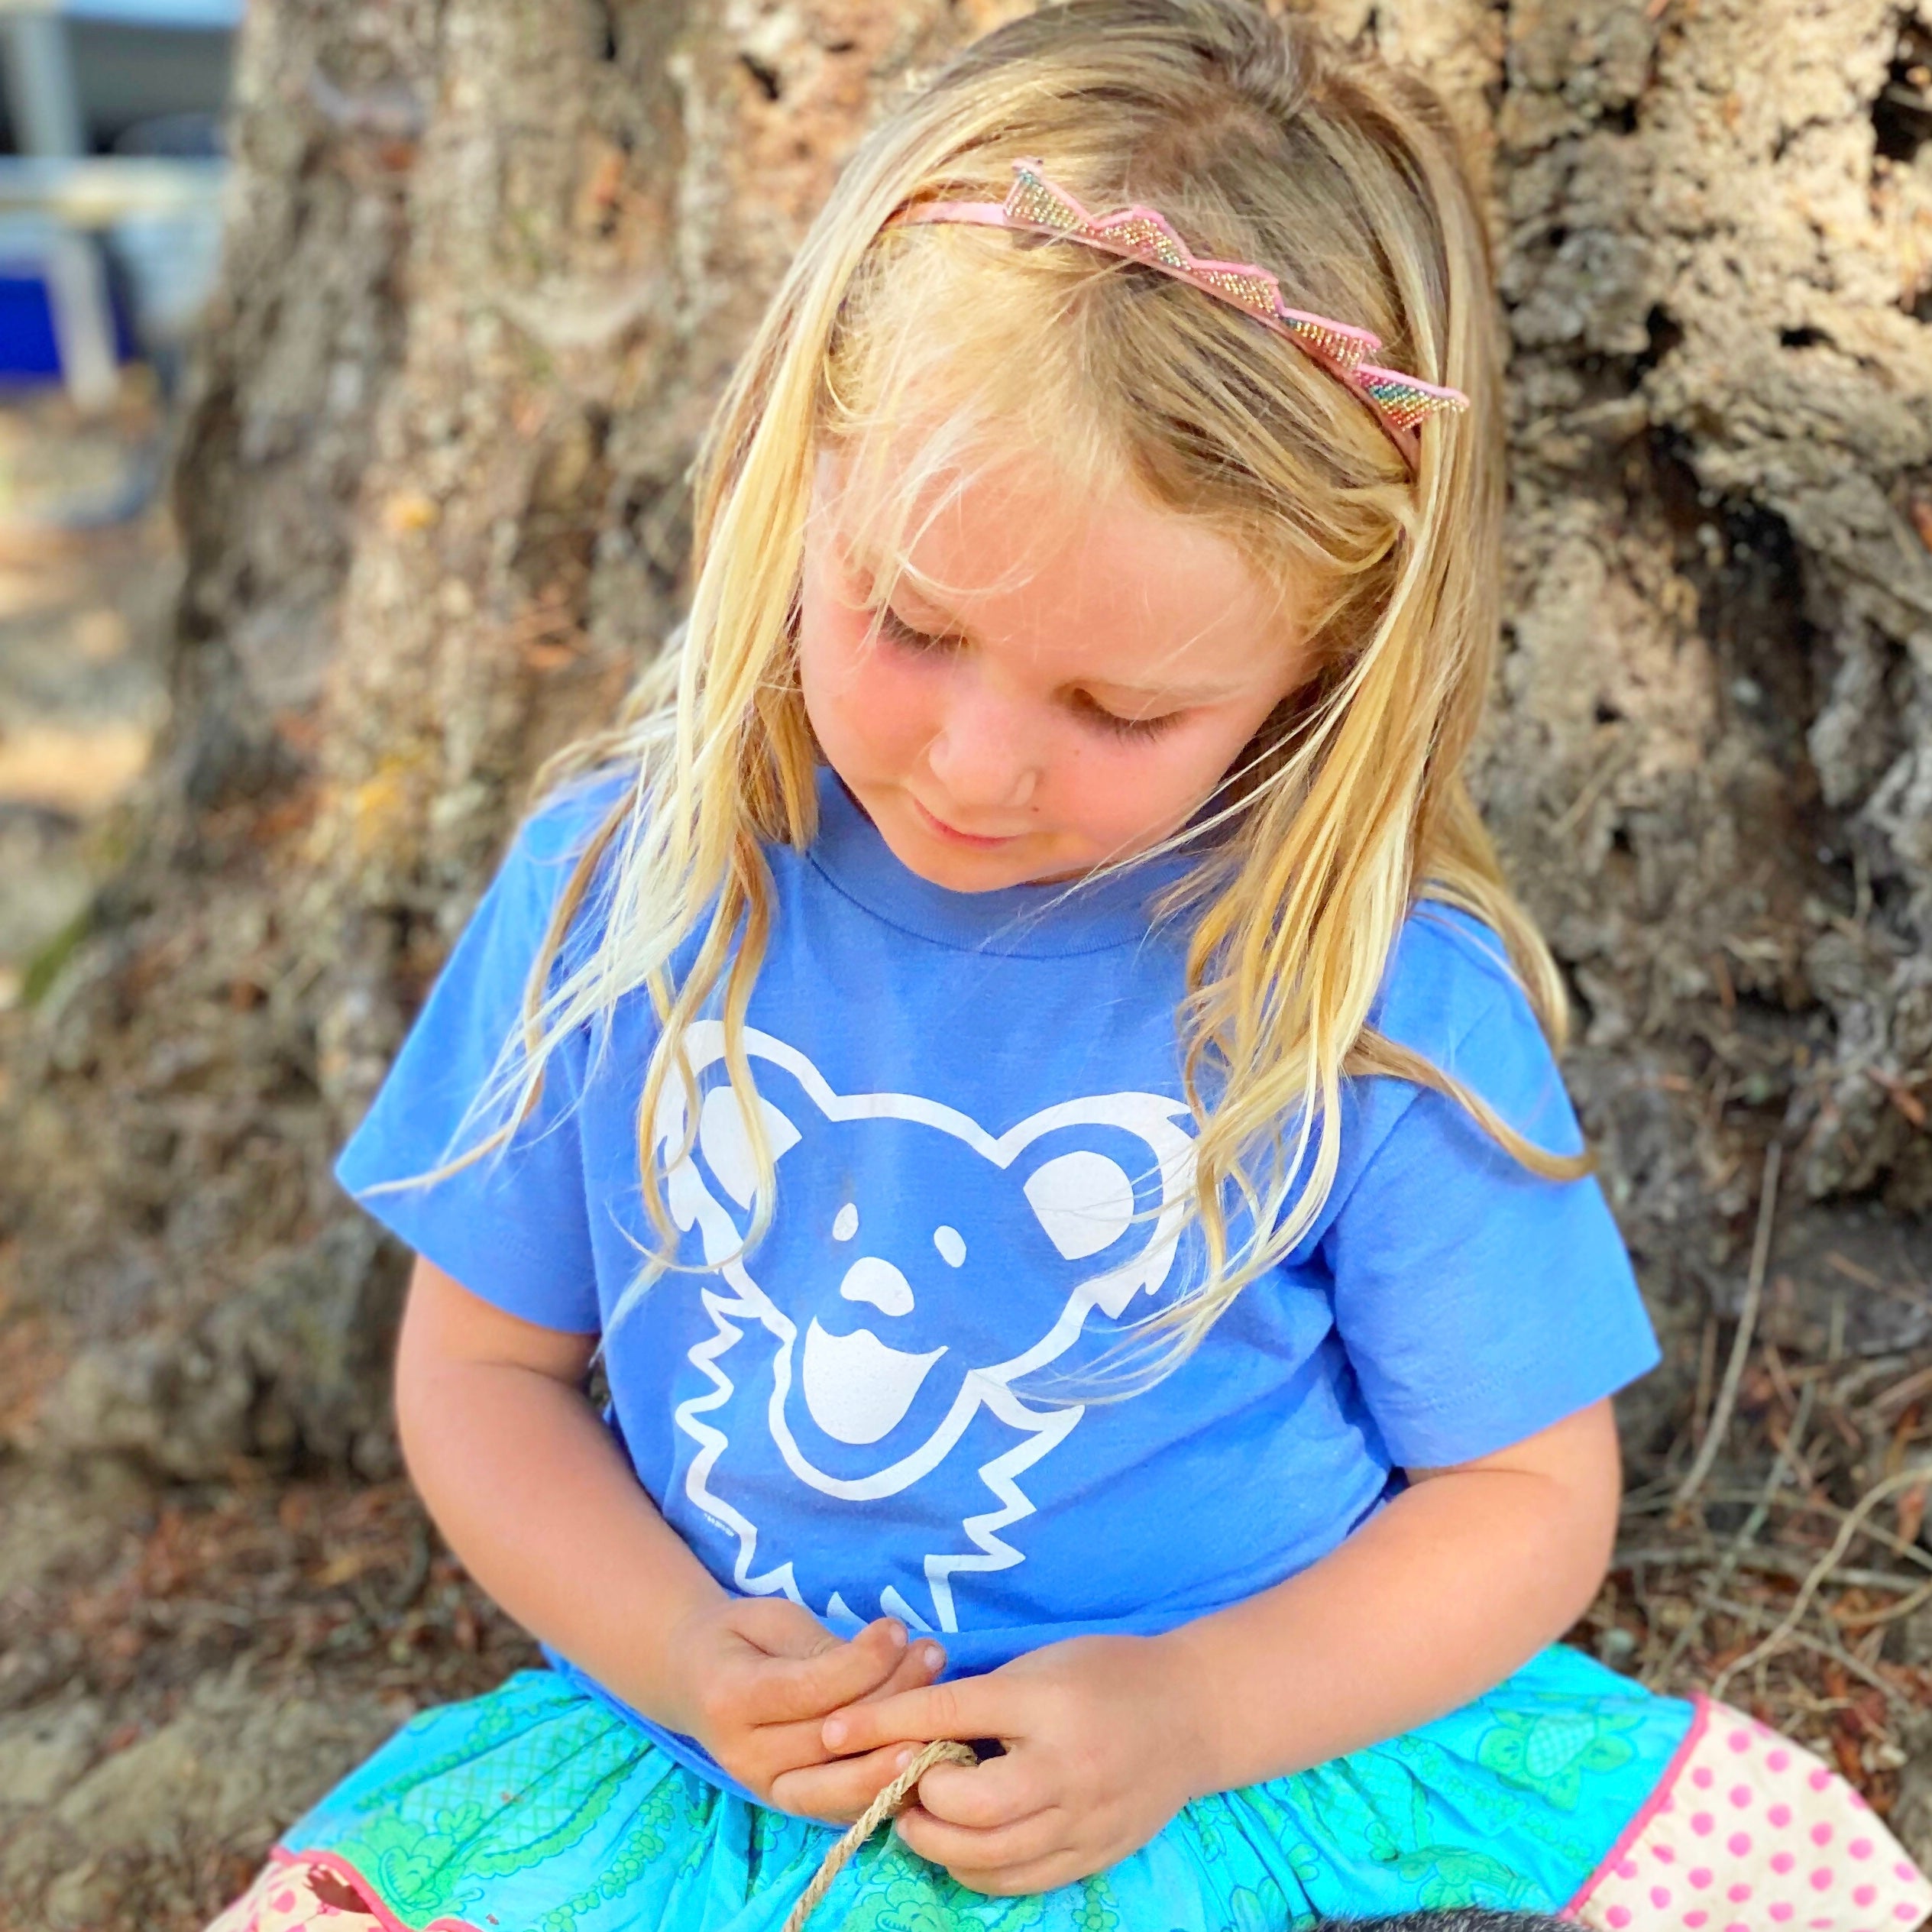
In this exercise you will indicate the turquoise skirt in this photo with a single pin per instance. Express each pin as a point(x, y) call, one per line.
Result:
point(538, 1808)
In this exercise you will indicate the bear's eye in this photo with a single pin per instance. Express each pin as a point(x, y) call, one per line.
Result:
point(845, 1224)
point(951, 1245)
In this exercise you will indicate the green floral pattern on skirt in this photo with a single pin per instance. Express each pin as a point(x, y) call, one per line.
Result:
point(537, 1808)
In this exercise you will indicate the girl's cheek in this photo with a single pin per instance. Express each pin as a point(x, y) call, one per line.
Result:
point(876, 700)
point(1123, 799)
point(1123, 815)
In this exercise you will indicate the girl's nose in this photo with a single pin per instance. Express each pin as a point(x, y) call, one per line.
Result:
point(983, 754)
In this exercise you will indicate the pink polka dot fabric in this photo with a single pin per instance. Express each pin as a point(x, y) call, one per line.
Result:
point(1751, 1833)
point(308, 1892)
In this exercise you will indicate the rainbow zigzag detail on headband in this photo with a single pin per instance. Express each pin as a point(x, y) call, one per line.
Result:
point(1401, 402)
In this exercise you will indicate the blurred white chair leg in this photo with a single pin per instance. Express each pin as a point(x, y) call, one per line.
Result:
point(83, 321)
point(44, 106)
point(42, 99)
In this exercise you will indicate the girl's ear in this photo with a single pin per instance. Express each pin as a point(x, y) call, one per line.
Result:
point(828, 477)
point(824, 553)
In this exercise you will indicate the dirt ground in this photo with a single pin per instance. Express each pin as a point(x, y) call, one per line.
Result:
point(186, 1670)
point(183, 1668)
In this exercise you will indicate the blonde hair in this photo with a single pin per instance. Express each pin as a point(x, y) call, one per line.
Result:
point(1260, 140)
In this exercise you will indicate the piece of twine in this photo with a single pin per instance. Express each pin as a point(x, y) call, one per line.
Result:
point(889, 1803)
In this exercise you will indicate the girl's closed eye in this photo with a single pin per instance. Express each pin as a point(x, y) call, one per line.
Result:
point(1120, 727)
point(922, 643)
point(890, 625)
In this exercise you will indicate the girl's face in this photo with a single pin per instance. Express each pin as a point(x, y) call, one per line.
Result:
point(1031, 730)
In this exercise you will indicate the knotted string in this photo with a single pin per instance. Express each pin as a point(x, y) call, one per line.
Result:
point(889, 1803)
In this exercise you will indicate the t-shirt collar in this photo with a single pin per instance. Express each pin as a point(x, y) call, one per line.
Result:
point(1069, 916)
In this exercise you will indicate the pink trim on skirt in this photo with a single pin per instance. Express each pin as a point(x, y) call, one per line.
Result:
point(297, 1890)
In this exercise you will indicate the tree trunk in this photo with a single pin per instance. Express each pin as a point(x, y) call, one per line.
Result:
point(489, 262)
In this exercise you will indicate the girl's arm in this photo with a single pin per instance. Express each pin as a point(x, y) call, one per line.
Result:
point(1458, 1582)
point(537, 1500)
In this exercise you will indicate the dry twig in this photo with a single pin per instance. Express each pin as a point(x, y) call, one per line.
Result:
point(1720, 1414)
point(1788, 1624)
point(1749, 1614)
point(1787, 1457)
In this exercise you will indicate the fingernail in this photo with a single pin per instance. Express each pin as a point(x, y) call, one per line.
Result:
point(931, 1656)
point(898, 1635)
point(903, 1759)
point(834, 1732)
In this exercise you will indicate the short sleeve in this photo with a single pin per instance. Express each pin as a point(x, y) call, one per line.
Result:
point(513, 1226)
point(1479, 1303)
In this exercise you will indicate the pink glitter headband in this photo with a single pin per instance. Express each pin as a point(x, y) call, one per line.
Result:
point(1401, 402)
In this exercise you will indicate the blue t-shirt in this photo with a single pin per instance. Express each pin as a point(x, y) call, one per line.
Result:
point(907, 1397)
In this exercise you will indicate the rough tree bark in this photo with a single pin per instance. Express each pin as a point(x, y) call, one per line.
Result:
point(488, 263)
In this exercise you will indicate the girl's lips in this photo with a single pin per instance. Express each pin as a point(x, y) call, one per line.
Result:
point(941, 829)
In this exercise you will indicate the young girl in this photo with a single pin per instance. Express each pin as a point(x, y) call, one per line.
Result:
point(1017, 1054)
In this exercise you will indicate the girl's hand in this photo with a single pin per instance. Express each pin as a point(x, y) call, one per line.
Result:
point(1104, 1743)
point(757, 1676)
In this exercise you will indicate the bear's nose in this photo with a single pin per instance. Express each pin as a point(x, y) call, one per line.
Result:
point(871, 1280)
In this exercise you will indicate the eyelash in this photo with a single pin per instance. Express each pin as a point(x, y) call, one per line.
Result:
point(924, 644)
point(901, 632)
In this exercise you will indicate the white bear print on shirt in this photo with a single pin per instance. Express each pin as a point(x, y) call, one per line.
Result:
point(865, 1354)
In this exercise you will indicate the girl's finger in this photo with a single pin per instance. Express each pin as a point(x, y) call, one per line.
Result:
point(963, 1851)
point(783, 1688)
point(783, 1748)
point(983, 1797)
point(837, 1792)
point(968, 1707)
point(918, 1664)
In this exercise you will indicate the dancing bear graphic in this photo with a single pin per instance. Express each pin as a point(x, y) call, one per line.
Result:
point(869, 1356)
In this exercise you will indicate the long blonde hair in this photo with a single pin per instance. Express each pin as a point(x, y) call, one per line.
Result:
point(1260, 140)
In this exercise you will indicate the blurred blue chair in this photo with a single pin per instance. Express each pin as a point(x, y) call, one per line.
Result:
point(109, 199)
